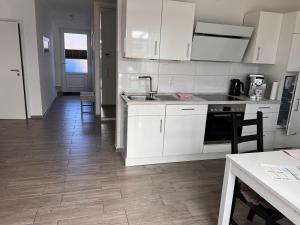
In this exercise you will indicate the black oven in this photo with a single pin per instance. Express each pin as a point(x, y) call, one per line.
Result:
point(219, 122)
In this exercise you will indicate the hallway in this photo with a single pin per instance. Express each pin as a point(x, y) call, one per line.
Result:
point(63, 170)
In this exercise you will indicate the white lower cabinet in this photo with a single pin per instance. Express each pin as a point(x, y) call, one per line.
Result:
point(184, 134)
point(145, 135)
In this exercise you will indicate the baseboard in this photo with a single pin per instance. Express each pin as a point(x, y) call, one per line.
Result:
point(36, 117)
point(172, 159)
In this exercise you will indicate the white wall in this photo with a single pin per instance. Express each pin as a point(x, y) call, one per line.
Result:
point(24, 12)
point(192, 76)
point(46, 60)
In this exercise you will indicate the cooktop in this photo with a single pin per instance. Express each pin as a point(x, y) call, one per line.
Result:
point(219, 98)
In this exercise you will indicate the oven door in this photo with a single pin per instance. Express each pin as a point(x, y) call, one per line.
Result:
point(219, 127)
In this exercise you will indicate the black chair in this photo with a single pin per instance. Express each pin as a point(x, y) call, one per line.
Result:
point(258, 206)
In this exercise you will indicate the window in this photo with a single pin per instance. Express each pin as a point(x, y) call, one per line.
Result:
point(76, 55)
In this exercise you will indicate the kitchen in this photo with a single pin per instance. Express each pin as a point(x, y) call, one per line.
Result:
point(207, 57)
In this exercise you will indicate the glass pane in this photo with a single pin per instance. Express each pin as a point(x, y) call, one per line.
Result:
point(76, 66)
point(75, 41)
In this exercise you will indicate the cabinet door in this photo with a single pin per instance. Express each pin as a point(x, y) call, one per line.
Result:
point(143, 24)
point(293, 126)
point(264, 43)
point(294, 60)
point(145, 136)
point(267, 38)
point(177, 30)
point(184, 134)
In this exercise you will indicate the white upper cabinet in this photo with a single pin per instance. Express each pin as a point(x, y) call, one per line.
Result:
point(159, 27)
point(297, 22)
point(264, 44)
point(177, 30)
point(294, 59)
point(143, 24)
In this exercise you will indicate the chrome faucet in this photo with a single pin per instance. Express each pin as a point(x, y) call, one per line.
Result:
point(151, 92)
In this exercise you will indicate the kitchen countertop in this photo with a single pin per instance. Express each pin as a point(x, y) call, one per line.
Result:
point(192, 101)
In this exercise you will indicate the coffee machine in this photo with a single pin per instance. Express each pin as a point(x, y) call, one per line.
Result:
point(256, 86)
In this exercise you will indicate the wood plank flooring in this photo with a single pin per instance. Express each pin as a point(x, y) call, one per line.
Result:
point(63, 170)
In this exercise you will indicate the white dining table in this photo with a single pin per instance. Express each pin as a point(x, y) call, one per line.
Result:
point(284, 195)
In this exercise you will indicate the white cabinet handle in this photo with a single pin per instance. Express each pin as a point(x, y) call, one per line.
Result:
point(265, 107)
point(160, 129)
point(188, 50)
point(155, 48)
point(258, 54)
point(191, 109)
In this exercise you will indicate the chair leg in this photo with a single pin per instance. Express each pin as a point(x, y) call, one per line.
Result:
point(251, 215)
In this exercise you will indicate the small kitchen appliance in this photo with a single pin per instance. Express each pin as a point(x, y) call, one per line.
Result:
point(236, 87)
point(256, 86)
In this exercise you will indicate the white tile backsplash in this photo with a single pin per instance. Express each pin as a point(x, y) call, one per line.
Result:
point(177, 68)
point(173, 76)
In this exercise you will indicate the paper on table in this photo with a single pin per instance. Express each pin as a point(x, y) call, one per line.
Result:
point(295, 153)
point(278, 172)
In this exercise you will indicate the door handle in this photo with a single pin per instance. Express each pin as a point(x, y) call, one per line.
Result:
point(16, 70)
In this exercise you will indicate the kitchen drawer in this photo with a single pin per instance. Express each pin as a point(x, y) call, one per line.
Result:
point(269, 122)
point(146, 110)
point(265, 108)
point(178, 110)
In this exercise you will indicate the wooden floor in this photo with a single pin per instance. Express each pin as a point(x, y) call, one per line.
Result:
point(63, 170)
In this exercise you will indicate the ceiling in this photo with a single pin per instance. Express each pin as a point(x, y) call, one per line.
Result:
point(84, 6)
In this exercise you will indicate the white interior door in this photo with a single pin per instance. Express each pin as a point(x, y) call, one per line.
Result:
point(108, 46)
point(12, 100)
point(76, 62)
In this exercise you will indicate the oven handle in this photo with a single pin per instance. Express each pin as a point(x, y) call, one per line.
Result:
point(226, 115)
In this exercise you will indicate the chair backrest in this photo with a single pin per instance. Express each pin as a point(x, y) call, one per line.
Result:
point(236, 139)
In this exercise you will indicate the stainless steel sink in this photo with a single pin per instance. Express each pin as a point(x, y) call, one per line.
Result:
point(141, 98)
point(166, 97)
point(156, 97)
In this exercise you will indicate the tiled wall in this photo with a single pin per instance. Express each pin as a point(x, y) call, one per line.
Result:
point(200, 77)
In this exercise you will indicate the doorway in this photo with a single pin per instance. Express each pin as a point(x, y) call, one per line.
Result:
point(108, 33)
point(12, 91)
point(76, 76)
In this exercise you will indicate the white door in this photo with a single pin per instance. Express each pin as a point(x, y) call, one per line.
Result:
point(76, 62)
point(145, 136)
point(177, 30)
point(143, 23)
point(184, 134)
point(108, 45)
point(294, 60)
point(293, 126)
point(12, 100)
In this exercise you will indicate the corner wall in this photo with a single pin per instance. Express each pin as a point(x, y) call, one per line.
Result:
point(46, 60)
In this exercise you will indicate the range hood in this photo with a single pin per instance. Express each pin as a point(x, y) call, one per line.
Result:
point(219, 42)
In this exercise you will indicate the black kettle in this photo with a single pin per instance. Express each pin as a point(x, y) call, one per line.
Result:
point(236, 87)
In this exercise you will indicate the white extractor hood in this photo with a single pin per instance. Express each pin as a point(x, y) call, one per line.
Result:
point(219, 42)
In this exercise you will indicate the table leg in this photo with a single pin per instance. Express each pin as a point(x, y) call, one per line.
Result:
point(227, 195)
